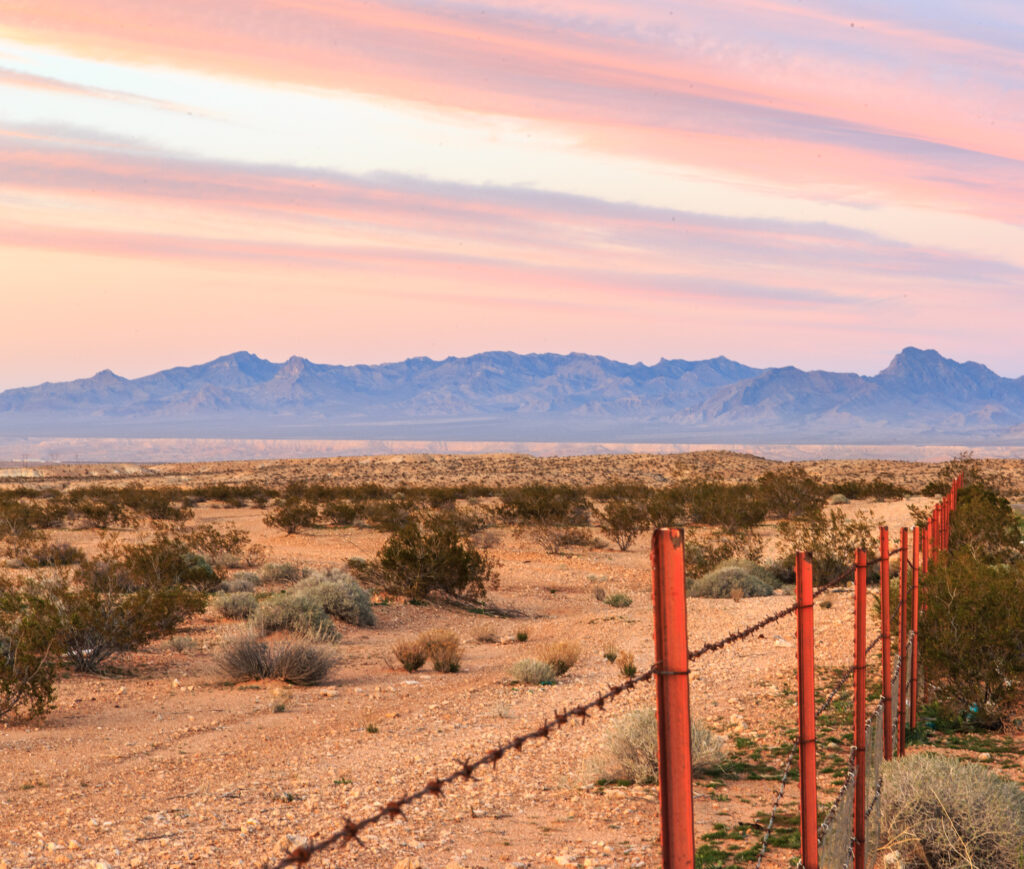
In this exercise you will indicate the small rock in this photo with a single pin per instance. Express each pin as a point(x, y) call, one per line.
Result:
point(985, 756)
point(408, 863)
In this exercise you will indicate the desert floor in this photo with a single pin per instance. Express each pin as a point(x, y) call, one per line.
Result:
point(163, 763)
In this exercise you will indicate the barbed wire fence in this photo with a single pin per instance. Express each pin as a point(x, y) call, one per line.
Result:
point(833, 832)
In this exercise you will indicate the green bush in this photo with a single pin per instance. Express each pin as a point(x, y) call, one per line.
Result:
point(55, 555)
point(630, 750)
point(831, 538)
point(291, 515)
point(129, 596)
point(943, 813)
point(556, 515)
point(530, 671)
point(434, 556)
point(985, 526)
point(340, 595)
point(235, 604)
point(243, 581)
point(618, 599)
point(623, 520)
point(29, 649)
point(791, 493)
point(971, 627)
point(752, 579)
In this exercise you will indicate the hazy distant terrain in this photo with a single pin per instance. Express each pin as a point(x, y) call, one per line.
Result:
point(580, 402)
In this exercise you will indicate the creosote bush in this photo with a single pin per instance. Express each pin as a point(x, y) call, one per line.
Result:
point(630, 750)
point(562, 656)
point(939, 812)
point(28, 654)
point(751, 579)
point(433, 556)
point(623, 520)
point(530, 671)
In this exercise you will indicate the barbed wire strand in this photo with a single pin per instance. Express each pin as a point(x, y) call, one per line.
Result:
point(350, 830)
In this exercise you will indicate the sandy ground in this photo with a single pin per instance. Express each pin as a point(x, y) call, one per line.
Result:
point(164, 764)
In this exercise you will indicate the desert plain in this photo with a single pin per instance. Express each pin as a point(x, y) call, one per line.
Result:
point(161, 761)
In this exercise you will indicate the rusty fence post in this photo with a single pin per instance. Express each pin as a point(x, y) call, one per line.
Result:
point(860, 708)
point(914, 598)
point(902, 715)
point(673, 688)
point(805, 704)
point(885, 599)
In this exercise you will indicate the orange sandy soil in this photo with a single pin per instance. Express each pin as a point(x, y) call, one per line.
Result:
point(165, 764)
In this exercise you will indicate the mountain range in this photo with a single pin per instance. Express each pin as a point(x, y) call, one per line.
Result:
point(921, 397)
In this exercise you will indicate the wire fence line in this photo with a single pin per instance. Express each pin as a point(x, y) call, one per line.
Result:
point(303, 850)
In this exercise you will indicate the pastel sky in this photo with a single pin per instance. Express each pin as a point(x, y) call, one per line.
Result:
point(807, 182)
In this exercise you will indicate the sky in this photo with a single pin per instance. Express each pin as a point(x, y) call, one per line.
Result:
point(807, 182)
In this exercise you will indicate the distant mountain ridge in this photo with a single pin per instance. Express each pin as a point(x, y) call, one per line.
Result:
point(920, 397)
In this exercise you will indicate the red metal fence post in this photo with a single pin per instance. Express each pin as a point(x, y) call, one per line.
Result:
point(805, 704)
point(860, 707)
point(914, 597)
point(885, 598)
point(673, 687)
point(902, 715)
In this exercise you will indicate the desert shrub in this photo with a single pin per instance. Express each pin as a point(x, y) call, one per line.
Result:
point(291, 515)
point(530, 671)
point(831, 538)
point(55, 555)
point(522, 635)
point(300, 663)
point(731, 507)
point(427, 557)
point(837, 498)
point(985, 526)
point(706, 551)
point(972, 652)
point(791, 493)
point(226, 547)
point(387, 514)
point(561, 656)
point(555, 515)
point(294, 612)
point(752, 579)
point(630, 749)
point(281, 573)
point(411, 654)
point(623, 520)
point(619, 600)
point(943, 813)
point(339, 513)
point(244, 657)
point(244, 581)
point(443, 648)
point(130, 595)
point(29, 648)
point(340, 595)
point(235, 604)
point(877, 489)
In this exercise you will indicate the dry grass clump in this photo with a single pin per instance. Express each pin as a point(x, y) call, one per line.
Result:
point(246, 657)
point(530, 671)
point(627, 664)
point(281, 573)
point(235, 604)
point(561, 656)
point(630, 750)
point(411, 654)
point(619, 600)
point(244, 580)
point(751, 579)
point(942, 813)
point(444, 648)
point(298, 613)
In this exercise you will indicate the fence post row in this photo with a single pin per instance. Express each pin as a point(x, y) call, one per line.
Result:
point(805, 705)
point(673, 690)
point(673, 685)
point(904, 563)
point(884, 597)
point(860, 707)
